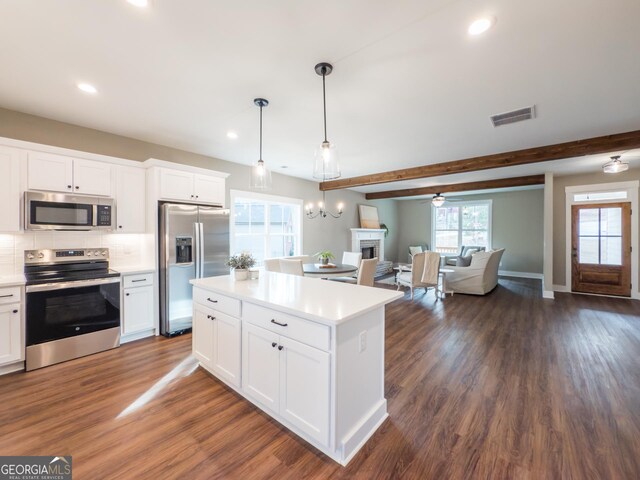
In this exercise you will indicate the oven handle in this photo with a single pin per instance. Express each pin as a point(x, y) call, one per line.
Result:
point(46, 287)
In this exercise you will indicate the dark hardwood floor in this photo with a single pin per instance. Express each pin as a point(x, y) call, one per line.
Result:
point(503, 386)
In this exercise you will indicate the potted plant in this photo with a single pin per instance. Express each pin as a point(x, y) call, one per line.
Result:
point(241, 265)
point(324, 256)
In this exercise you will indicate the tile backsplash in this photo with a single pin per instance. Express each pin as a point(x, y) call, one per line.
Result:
point(124, 249)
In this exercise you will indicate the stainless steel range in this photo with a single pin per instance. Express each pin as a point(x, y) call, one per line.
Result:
point(73, 305)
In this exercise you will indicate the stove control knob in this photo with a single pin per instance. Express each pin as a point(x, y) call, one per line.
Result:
point(41, 255)
point(104, 253)
point(88, 254)
point(30, 256)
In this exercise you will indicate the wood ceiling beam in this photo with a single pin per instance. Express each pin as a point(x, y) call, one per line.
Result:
point(578, 148)
point(460, 187)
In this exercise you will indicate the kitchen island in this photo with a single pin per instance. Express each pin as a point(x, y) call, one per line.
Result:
point(308, 352)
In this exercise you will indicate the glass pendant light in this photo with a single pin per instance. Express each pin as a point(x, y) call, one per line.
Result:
point(438, 200)
point(260, 174)
point(615, 165)
point(326, 166)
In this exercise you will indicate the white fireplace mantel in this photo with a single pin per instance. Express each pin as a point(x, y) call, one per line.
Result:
point(360, 234)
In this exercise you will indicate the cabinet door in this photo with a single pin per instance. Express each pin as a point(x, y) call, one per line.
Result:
point(226, 347)
point(209, 189)
point(10, 336)
point(304, 388)
point(91, 177)
point(9, 189)
point(138, 310)
point(46, 171)
point(176, 185)
point(130, 199)
point(202, 335)
point(261, 366)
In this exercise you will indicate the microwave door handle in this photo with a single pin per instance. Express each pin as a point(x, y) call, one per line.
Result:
point(94, 215)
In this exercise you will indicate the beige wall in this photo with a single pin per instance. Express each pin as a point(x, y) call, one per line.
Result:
point(517, 226)
point(559, 213)
point(319, 234)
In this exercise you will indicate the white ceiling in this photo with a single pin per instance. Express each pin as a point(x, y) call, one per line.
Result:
point(409, 88)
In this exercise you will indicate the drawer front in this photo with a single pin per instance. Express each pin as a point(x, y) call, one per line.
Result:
point(222, 303)
point(140, 280)
point(10, 295)
point(296, 328)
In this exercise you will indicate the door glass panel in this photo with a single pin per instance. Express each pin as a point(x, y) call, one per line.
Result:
point(611, 221)
point(588, 221)
point(611, 250)
point(588, 249)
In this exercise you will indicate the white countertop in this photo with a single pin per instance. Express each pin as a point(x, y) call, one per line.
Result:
point(322, 301)
point(129, 270)
point(12, 280)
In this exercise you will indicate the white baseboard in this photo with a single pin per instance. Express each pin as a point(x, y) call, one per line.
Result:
point(12, 367)
point(561, 288)
point(548, 294)
point(507, 273)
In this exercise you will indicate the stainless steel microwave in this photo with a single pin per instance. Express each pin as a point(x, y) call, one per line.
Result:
point(62, 211)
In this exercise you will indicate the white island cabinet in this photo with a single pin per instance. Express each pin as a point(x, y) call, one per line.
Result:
point(308, 352)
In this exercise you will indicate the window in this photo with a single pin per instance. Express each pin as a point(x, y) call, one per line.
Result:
point(600, 236)
point(461, 223)
point(265, 225)
point(594, 196)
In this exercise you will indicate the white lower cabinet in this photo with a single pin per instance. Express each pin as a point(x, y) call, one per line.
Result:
point(216, 343)
point(289, 378)
point(10, 334)
point(261, 365)
point(137, 306)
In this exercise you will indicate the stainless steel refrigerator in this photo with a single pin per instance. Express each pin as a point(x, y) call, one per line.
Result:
point(194, 243)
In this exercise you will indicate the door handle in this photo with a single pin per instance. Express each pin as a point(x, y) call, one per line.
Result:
point(280, 347)
point(273, 344)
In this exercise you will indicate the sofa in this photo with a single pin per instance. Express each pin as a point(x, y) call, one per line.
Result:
point(479, 278)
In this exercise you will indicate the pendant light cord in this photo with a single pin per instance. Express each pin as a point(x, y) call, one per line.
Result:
point(260, 132)
point(324, 102)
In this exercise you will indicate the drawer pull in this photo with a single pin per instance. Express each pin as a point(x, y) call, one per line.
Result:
point(274, 344)
point(273, 320)
point(212, 301)
point(6, 296)
point(127, 294)
point(140, 280)
point(280, 347)
point(15, 311)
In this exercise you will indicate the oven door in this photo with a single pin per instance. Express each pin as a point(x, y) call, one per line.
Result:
point(61, 310)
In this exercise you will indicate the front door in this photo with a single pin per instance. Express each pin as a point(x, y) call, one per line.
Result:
point(601, 249)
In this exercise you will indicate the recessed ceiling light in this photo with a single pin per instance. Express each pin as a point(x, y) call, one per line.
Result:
point(88, 88)
point(481, 25)
point(232, 135)
point(139, 3)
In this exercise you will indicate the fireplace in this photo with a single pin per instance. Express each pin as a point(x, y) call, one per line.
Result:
point(368, 252)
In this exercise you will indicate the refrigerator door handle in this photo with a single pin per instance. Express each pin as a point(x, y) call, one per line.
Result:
point(196, 253)
point(201, 252)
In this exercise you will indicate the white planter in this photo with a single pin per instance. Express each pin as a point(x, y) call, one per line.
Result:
point(240, 274)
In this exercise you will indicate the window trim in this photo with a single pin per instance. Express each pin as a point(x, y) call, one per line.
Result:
point(269, 199)
point(488, 202)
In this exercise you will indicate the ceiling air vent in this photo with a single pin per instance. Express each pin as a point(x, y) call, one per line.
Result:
point(512, 117)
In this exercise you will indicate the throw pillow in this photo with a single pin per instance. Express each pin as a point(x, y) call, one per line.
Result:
point(463, 261)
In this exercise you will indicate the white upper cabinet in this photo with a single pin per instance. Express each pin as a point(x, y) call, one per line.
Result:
point(91, 177)
point(176, 185)
point(130, 199)
point(58, 173)
point(208, 189)
point(47, 171)
point(190, 187)
point(9, 189)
